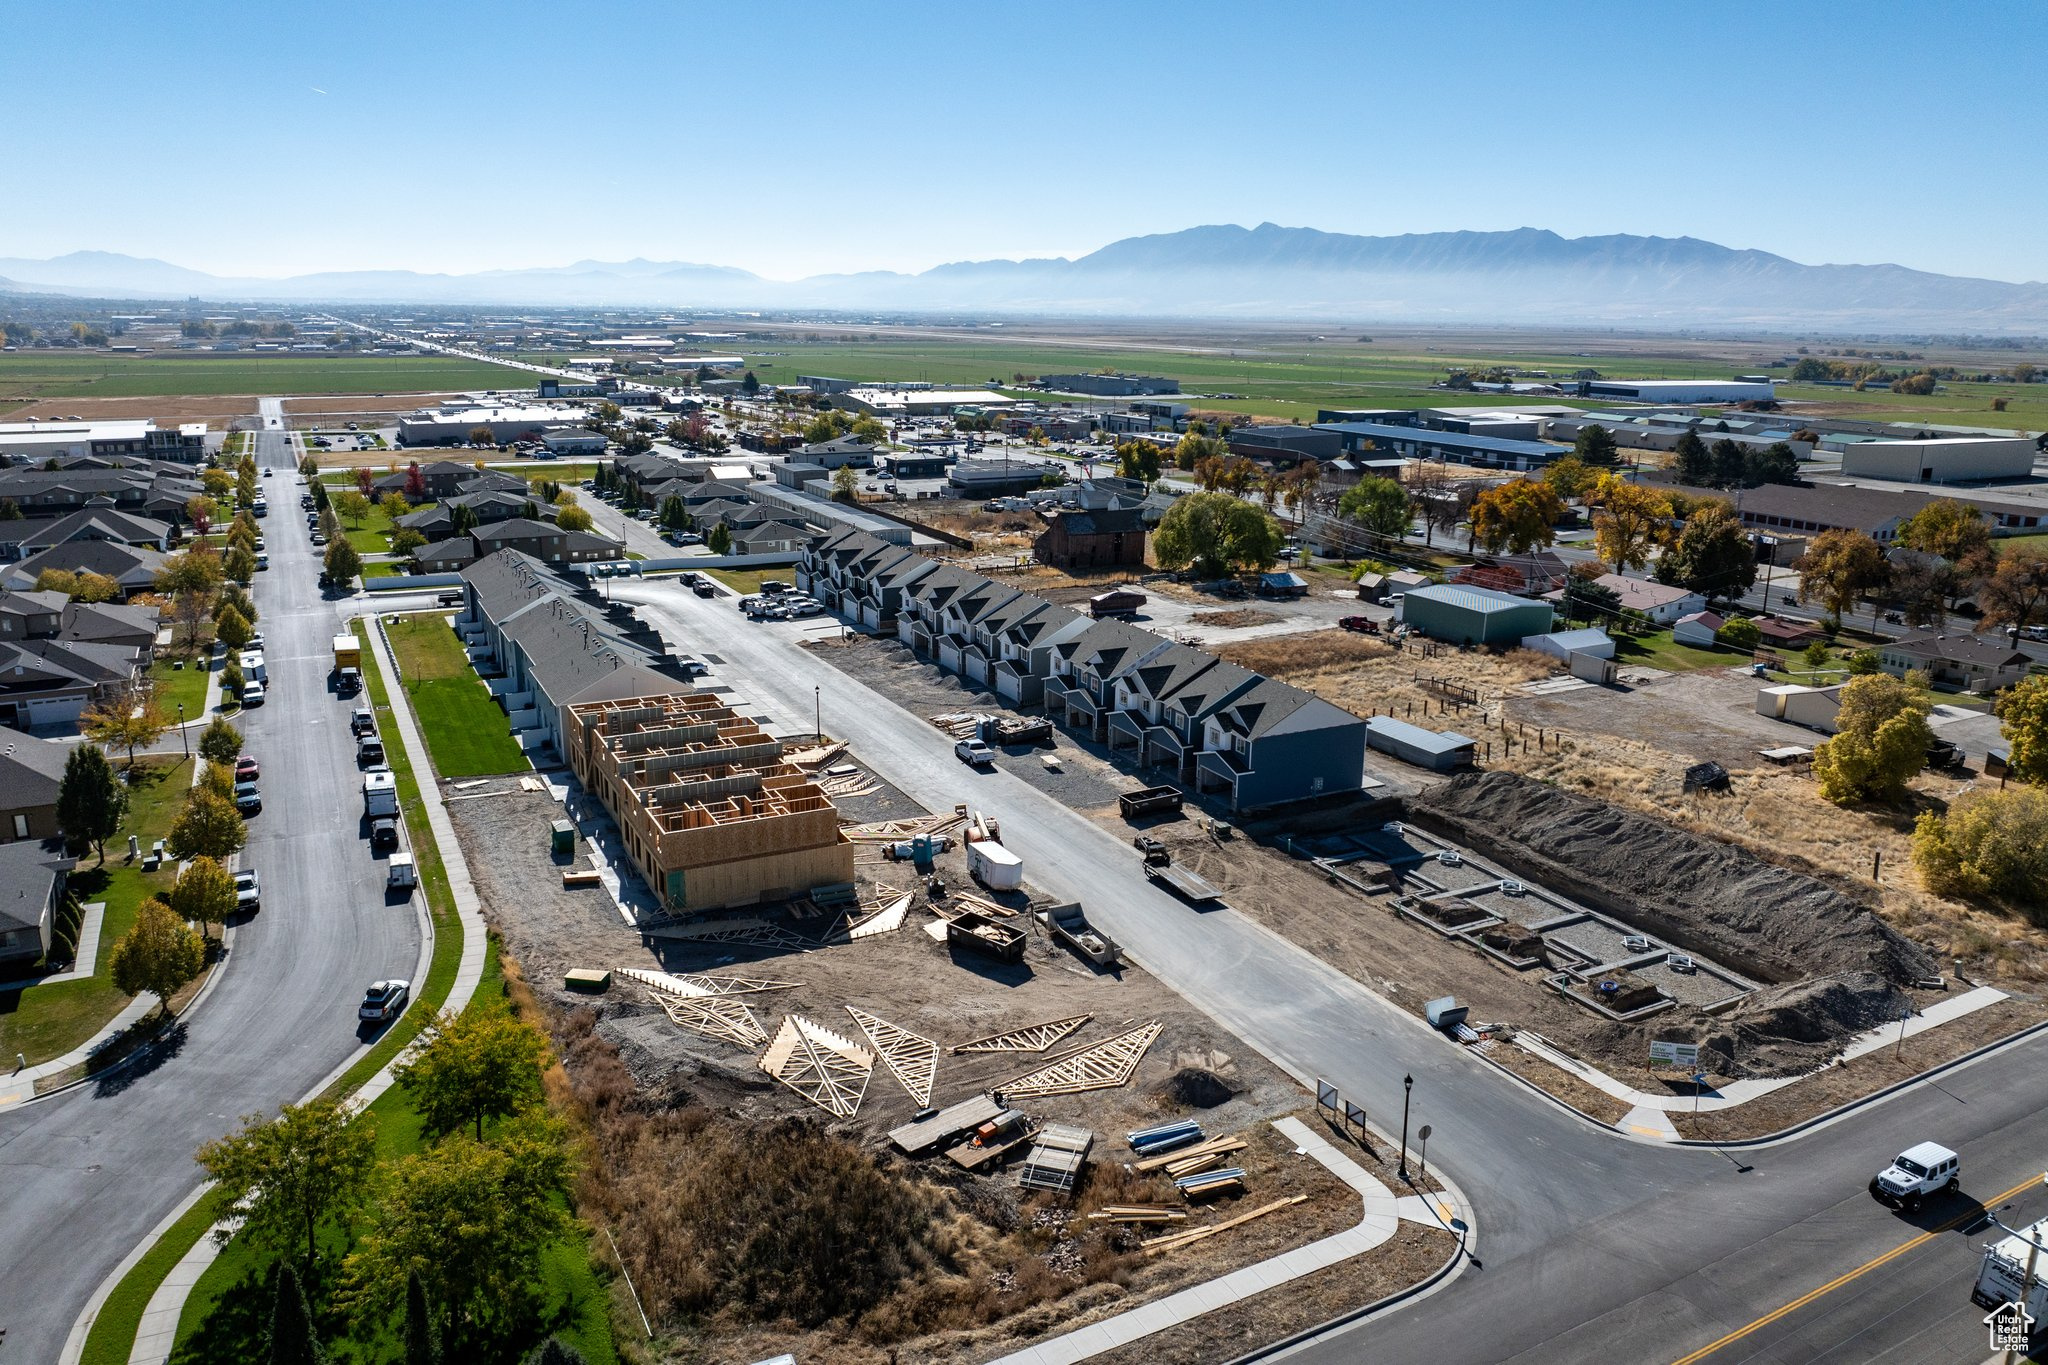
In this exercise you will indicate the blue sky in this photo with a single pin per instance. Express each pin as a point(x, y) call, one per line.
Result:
point(791, 139)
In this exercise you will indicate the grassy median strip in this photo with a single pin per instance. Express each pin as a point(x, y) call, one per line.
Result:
point(113, 1332)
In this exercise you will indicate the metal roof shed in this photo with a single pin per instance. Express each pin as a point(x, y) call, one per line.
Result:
point(1441, 753)
point(1465, 615)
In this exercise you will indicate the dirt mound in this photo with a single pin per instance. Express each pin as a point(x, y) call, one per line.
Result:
point(1707, 897)
point(1195, 1089)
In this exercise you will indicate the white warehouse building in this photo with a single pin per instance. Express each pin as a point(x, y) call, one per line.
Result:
point(1946, 459)
point(1681, 390)
point(449, 425)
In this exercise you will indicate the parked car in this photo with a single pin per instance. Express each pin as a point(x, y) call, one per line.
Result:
point(248, 895)
point(384, 1000)
point(248, 799)
point(384, 832)
point(974, 753)
point(362, 721)
point(689, 538)
point(252, 694)
point(246, 769)
point(704, 590)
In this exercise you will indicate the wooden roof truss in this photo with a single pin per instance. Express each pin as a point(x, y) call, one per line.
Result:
point(911, 1059)
point(715, 1016)
point(1030, 1038)
point(826, 1069)
point(1101, 1067)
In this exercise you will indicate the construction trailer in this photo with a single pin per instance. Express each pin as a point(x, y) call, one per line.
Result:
point(709, 810)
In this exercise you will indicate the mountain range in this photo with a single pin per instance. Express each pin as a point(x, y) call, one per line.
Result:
point(1527, 275)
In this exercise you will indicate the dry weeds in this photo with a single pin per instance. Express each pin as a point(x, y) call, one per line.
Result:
point(1363, 674)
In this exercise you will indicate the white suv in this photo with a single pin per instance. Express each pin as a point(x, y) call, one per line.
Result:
point(1916, 1173)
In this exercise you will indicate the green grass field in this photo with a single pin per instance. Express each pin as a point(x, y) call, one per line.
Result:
point(1958, 404)
point(42, 1022)
point(749, 581)
point(1659, 650)
point(175, 685)
point(89, 374)
point(467, 734)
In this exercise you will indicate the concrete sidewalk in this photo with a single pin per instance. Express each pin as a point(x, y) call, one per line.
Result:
point(157, 1335)
point(1649, 1110)
point(1380, 1219)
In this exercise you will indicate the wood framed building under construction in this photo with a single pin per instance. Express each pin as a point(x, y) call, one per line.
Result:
point(710, 811)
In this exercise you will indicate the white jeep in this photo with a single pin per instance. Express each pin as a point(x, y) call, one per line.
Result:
point(1916, 1173)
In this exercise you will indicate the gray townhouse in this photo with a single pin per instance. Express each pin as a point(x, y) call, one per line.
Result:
point(1222, 727)
point(1275, 742)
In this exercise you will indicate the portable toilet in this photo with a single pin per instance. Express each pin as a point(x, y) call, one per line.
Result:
point(562, 839)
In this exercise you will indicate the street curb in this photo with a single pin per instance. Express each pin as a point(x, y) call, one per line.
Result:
point(1783, 1134)
point(1442, 1275)
point(227, 945)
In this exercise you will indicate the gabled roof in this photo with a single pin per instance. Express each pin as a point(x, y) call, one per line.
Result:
point(1959, 647)
point(1101, 522)
point(25, 603)
point(1278, 708)
point(454, 550)
point(129, 565)
point(1213, 688)
point(1638, 595)
point(515, 528)
point(105, 523)
point(110, 623)
point(30, 768)
point(28, 874)
point(1171, 669)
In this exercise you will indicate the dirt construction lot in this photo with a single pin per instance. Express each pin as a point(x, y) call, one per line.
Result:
point(1060, 1269)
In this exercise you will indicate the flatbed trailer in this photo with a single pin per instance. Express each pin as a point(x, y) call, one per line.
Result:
point(1189, 886)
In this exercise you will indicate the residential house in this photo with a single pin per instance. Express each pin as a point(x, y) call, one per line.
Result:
point(132, 567)
point(770, 538)
point(1092, 539)
point(444, 479)
point(1968, 663)
point(1662, 603)
point(1026, 646)
point(107, 623)
point(1780, 632)
point(32, 876)
point(100, 521)
point(542, 540)
point(1274, 743)
point(30, 773)
point(1140, 696)
point(438, 522)
point(1085, 669)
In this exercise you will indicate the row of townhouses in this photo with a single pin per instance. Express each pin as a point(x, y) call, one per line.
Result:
point(1214, 725)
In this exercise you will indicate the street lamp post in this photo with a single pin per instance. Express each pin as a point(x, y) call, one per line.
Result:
point(818, 715)
point(1407, 1091)
point(185, 738)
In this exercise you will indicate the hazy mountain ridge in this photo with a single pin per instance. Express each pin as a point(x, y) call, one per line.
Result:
point(1523, 275)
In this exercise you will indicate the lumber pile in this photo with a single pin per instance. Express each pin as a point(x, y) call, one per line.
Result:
point(1138, 1213)
point(896, 831)
point(573, 878)
point(960, 724)
point(1174, 1241)
point(1192, 1159)
point(815, 758)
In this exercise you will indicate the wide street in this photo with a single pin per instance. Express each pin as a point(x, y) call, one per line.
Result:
point(1593, 1246)
point(85, 1174)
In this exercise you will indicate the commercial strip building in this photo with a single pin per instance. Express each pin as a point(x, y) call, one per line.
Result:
point(1425, 443)
point(1678, 390)
point(512, 422)
point(708, 809)
point(1791, 514)
point(180, 443)
point(911, 400)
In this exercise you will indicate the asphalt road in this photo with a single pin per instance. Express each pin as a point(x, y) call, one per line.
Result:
point(86, 1174)
point(1593, 1247)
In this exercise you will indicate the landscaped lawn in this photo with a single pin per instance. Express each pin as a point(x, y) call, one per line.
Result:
point(467, 734)
point(187, 685)
point(42, 1022)
point(750, 580)
point(385, 568)
point(372, 535)
point(1659, 650)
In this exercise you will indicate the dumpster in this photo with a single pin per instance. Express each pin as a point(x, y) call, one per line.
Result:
point(562, 839)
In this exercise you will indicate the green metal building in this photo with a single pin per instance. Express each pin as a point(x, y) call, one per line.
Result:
point(1474, 616)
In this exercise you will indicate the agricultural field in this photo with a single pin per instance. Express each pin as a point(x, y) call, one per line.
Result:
point(25, 377)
